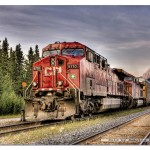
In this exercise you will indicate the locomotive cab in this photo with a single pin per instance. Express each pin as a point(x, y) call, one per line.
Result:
point(56, 82)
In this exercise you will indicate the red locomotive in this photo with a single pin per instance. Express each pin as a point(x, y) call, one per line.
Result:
point(73, 80)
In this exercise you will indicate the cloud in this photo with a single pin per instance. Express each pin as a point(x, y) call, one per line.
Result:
point(120, 33)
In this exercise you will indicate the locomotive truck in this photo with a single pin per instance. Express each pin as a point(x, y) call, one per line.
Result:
point(71, 80)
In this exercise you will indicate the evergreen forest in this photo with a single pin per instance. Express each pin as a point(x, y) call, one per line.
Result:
point(15, 68)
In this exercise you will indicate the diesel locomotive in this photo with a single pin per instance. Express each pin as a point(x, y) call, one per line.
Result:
point(71, 80)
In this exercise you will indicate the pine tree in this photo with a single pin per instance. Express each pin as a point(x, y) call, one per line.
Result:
point(1, 81)
point(29, 64)
point(36, 53)
point(0, 54)
point(19, 58)
point(4, 59)
point(0, 69)
point(18, 76)
point(12, 64)
point(31, 56)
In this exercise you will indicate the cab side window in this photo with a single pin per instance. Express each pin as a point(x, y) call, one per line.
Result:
point(103, 63)
point(98, 59)
point(136, 80)
point(95, 58)
point(89, 56)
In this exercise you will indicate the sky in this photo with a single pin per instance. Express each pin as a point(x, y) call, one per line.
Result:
point(119, 33)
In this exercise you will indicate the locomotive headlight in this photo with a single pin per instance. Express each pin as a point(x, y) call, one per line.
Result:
point(60, 83)
point(34, 83)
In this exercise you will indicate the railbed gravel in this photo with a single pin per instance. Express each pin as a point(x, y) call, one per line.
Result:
point(73, 136)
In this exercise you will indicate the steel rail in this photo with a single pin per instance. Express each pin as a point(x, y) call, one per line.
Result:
point(144, 141)
point(108, 129)
point(33, 126)
point(17, 124)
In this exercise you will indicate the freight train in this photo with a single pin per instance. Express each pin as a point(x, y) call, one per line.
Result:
point(71, 80)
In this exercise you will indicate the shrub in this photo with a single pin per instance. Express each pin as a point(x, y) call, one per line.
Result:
point(10, 103)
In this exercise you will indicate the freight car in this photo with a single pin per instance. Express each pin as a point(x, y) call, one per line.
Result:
point(73, 80)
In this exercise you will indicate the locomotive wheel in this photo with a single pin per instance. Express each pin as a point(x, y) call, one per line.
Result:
point(145, 103)
point(90, 115)
point(82, 115)
point(72, 117)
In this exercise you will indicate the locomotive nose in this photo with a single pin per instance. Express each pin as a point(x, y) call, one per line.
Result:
point(54, 67)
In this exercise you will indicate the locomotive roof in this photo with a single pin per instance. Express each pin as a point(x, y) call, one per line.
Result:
point(122, 72)
point(57, 45)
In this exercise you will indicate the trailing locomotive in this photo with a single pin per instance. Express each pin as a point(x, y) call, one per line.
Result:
point(73, 80)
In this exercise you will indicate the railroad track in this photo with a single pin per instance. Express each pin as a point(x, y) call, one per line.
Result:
point(146, 140)
point(83, 140)
point(26, 126)
point(31, 125)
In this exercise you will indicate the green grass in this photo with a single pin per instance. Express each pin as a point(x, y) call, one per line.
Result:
point(10, 116)
point(45, 132)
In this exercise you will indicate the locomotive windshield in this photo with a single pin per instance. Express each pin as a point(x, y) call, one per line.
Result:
point(50, 52)
point(128, 79)
point(73, 52)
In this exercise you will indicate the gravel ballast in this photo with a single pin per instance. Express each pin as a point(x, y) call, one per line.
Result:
point(73, 136)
